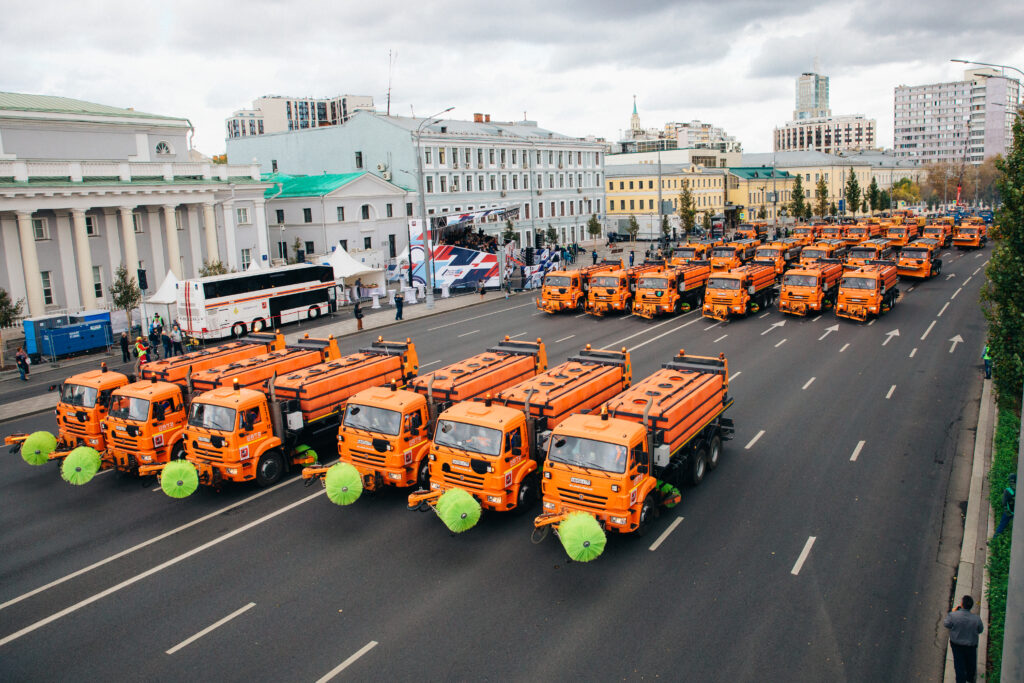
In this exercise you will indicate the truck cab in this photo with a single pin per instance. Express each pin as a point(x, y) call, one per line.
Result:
point(901, 235)
point(806, 234)
point(670, 290)
point(810, 288)
point(733, 255)
point(83, 404)
point(779, 254)
point(751, 231)
point(694, 251)
point(145, 425)
point(855, 234)
point(920, 259)
point(941, 232)
point(970, 236)
point(834, 232)
point(566, 290)
point(868, 291)
point(610, 292)
point(877, 249)
point(822, 249)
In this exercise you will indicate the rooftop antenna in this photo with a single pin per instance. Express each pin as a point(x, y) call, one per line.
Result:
point(391, 67)
point(817, 64)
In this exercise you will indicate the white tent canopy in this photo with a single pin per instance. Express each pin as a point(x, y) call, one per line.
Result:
point(167, 292)
point(346, 267)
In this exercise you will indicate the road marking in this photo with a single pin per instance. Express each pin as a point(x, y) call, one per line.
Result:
point(765, 315)
point(735, 375)
point(976, 271)
point(581, 315)
point(803, 556)
point(666, 532)
point(104, 471)
point(466, 334)
point(942, 310)
point(774, 325)
point(956, 340)
point(652, 327)
point(153, 570)
point(891, 389)
point(565, 338)
point(828, 331)
point(808, 383)
point(214, 625)
point(927, 331)
point(845, 346)
point(950, 276)
point(978, 255)
point(652, 339)
point(484, 315)
point(754, 440)
point(427, 365)
point(955, 293)
point(720, 338)
point(872, 322)
point(157, 488)
point(140, 546)
point(816, 319)
point(344, 665)
point(780, 343)
point(911, 288)
point(967, 280)
point(985, 262)
point(890, 335)
point(913, 352)
point(856, 451)
point(516, 336)
point(712, 326)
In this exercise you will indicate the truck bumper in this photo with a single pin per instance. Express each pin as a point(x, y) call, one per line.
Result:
point(858, 313)
point(130, 461)
point(718, 312)
point(501, 500)
point(553, 306)
point(794, 307)
point(617, 521)
point(213, 473)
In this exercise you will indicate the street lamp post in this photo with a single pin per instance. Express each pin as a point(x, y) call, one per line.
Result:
point(428, 262)
point(998, 66)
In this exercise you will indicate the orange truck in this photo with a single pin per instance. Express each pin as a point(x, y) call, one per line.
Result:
point(920, 259)
point(902, 234)
point(806, 234)
point(566, 290)
point(970, 235)
point(823, 249)
point(733, 254)
point(862, 232)
point(941, 232)
point(811, 288)
point(834, 232)
point(670, 290)
point(252, 372)
point(621, 465)
point(743, 290)
point(694, 251)
point(177, 368)
point(613, 291)
point(145, 426)
point(869, 290)
point(242, 434)
point(385, 432)
point(877, 249)
point(494, 450)
point(780, 254)
point(751, 231)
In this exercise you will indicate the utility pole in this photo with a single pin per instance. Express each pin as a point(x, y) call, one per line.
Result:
point(660, 214)
point(428, 261)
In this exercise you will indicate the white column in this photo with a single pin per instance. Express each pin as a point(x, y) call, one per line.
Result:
point(157, 270)
point(66, 259)
point(260, 221)
point(113, 244)
point(210, 224)
point(30, 264)
point(83, 260)
point(229, 235)
point(11, 251)
point(131, 246)
point(173, 248)
point(195, 245)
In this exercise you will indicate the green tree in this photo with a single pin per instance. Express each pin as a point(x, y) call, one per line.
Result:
point(10, 310)
point(905, 190)
point(832, 209)
point(552, 236)
point(296, 248)
point(632, 227)
point(865, 205)
point(796, 206)
point(821, 194)
point(762, 213)
point(593, 226)
point(125, 293)
point(1000, 295)
point(807, 211)
point(509, 234)
point(687, 210)
point(706, 222)
point(874, 195)
point(666, 229)
point(852, 193)
point(213, 268)
point(884, 201)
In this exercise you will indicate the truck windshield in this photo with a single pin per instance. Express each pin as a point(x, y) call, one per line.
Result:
point(652, 283)
point(858, 231)
point(78, 395)
point(803, 231)
point(573, 450)
point(723, 252)
point(467, 437)
point(914, 253)
point(795, 280)
point(686, 253)
point(864, 253)
point(968, 231)
point(767, 253)
point(372, 419)
point(723, 283)
point(556, 281)
point(129, 408)
point(209, 416)
point(897, 231)
point(814, 253)
point(606, 281)
point(858, 283)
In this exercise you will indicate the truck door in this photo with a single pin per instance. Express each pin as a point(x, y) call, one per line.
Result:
point(514, 442)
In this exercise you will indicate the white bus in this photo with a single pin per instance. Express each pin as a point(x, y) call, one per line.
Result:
point(231, 305)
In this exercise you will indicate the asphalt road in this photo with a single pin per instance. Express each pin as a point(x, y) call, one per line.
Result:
point(811, 553)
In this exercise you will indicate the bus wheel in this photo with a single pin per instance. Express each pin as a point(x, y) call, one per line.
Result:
point(270, 469)
point(313, 313)
point(258, 325)
point(238, 330)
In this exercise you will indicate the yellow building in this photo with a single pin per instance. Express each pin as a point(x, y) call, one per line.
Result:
point(757, 192)
point(632, 190)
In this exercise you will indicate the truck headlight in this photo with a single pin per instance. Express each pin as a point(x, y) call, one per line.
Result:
point(232, 470)
point(615, 488)
point(146, 458)
point(548, 505)
point(547, 475)
point(434, 485)
point(432, 457)
point(490, 469)
point(494, 499)
point(94, 442)
point(395, 475)
point(621, 521)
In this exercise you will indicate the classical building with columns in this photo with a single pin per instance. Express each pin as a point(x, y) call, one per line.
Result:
point(86, 187)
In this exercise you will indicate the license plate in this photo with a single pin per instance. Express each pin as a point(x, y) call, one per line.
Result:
point(204, 439)
point(120, 428)
point(363, 442)
point(461, 463)
point(577, 480)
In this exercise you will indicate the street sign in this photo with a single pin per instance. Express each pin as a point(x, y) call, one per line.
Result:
point(842, 205)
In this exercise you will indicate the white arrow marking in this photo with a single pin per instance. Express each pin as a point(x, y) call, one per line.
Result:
point(956, 340)
point(950, 275)
point(828, 331)
point(889, 336)
point(778, 324)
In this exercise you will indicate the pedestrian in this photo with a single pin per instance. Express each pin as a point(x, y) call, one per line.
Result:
point(357, 312)
point(987, 357)
point(481, 287)
point(630, 259)
point(142, 354)
point(964, 627)
point(508, 285)
point(177, 347)
point(593, 256)
point(125, 357)
point(1009, 497)
point(154, 339)
point(22, 361)
point(399, 303)
point(165, 341)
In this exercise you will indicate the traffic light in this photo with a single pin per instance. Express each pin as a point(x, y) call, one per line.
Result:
point(143, 285)
point(528, 256)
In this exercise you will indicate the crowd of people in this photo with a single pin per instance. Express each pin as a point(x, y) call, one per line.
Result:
point(477, 241)
point(171, 340)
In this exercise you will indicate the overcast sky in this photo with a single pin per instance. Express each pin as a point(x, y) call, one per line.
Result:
point(574, 66)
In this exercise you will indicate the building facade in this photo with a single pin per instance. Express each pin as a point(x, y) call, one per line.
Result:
point(277, 113)
point(552, 179)
point(758, 193)
point(830, 135)
point(85, 188)
point(968, 120)
point(709, 158)
point(634, 190)
point(811, 97)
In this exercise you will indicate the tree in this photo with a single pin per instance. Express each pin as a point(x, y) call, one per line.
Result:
point(552, 236)
point(687, 210)
point(884, 201)
point(852, 193)
point(9, 312)
point(666, 229)
point(796, 206)
point(762, 213)
point(125, 293)
point(905, 190)
point(220, 158)
point(632, 227)
point(706, 222)
point(1000, 295)
point(865, 205)
point(821, 194)
point(213, 268)
point(296, 248)
point(593, 226)
point(832, 209)
point(509, 234)
point(873, 195)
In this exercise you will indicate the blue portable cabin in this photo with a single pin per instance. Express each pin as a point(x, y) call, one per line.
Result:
point(34, 332)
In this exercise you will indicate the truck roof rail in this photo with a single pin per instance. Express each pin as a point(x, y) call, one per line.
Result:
point(313, 343)
point(387, 348)
point(514, 346)
point(601, 357)
point(829, 260)
point(701, 364)
point(880, 262)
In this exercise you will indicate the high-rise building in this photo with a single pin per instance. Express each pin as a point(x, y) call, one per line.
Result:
point(970, 120)
point(690, 135)
point(811, 97)
point(277, 114)
point(814, 128)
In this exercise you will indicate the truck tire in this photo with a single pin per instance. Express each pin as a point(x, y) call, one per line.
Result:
point(698, 467)
point(269, 469)
point(529, 492)
point(647, 512)
point(937, 270)
point(178, 452)
point(423, 474)
point(714, 452)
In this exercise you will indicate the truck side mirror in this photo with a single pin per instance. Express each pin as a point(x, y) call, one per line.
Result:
point(516, 450)
point(414, 431)
point(641, 469)
point(158, 411)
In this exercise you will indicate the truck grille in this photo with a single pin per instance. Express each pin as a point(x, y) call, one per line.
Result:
point(465, 481)
point(125, 442)
point(721, 300)
point(364, 458)
point(77, 428)
point(582, 498)
point(207, 453)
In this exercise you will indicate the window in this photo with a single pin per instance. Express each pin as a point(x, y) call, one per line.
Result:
point(540, 209)
point(310, 247)
point(367, 243)
point(408, 208)
point(90, 226)
point(493, 186)
point(307, 215)
point(282, 250)
point(344, 244)
point(504, 182)
point(163, 148)
point(279, 213)
point(503, 156)
point(430, 184)
point(242, 216)
point(611, 204)
point(469, 183)
point(177, 221)
point(440, 155)
point(366, 211)
point(137, 223)
point(41, 229)
point(97, 282)
point(392, 246)
point(359, 159)
point(390, 210)
point(490, 156)
point(444, 183)
point(47, 288)
point(479, 156)
point(426, 155)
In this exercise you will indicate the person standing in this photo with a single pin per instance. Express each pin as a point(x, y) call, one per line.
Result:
point(357, 312)
point(631, 256)
point(21, 360)
point(154, 339)
point(481, 288)
point(142, 351)
point(593, 256)
point(125, 357)
point(399, 303)
point(165, 341)
point(987, 357)
point(964, 627)
point(177, 347)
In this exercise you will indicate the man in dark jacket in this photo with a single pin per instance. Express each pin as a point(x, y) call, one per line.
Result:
point(357, 312)
point(124, 348)
point(964, 627)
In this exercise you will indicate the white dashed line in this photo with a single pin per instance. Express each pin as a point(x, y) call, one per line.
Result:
point(344, 665)
point(427, 365)
point(955, 293)
point(666, 532)
point(803, 556)
point(211, 627)
point(720, 339)
point(856, 451)
point(764, 315)
point(637, 334)
point(653, 339)
point(466, 320)
point(469, 333)
point(780, 343)
point(816, 319)
point(709, 327)
point(891, 389)
point(754, 440)
point(872, 322)
point(845, 346)
point(516, 336)
point(942, 310)
point(911, 288)
point(735, 375)
point(808, 383)
point(913, 352)
point(558, 341)
point(968, 280)
point(927, 331)
point(976, 270)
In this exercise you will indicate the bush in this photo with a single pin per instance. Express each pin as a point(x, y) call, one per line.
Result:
point(1004, 463)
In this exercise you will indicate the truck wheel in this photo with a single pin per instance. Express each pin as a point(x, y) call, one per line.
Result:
point(529, 491)
point(423, 474)
point(647, 512)
point(269, 469)
point(714, 452)
point(178, 452)
point(699, 467)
